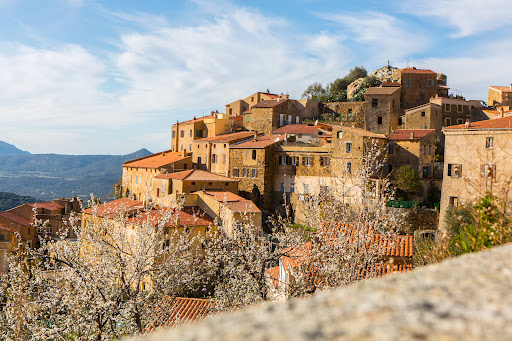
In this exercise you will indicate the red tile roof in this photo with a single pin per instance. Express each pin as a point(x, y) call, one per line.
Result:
point(269, 103)
point(502, 88)
point(195, 120)
point(386, 90)
point(418, 71)
point(497, 123)
point(15, 218)
point(47, 205)
point(156, 160)
point(362, 132)
point(234, 202)
point(114, 208)
point(187, 217)
point(405, 134)
point(390, 84)
point(298, 129)
point(232, 137)
point(171, 311)
point(195, 175)
point(260, 142)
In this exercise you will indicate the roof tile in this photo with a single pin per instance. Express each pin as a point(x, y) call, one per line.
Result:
point(195, 175)
point(156, 160)
point(405, 134)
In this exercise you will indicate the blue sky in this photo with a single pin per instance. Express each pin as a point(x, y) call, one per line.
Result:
point(111, 77)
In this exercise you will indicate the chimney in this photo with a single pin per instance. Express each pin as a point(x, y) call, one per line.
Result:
point(268, 91)
point(412, 135)
point(194, 118)
point(510, 86)
point(467, 124)
point(502, 112)
point(184, 152)
point(255, 135)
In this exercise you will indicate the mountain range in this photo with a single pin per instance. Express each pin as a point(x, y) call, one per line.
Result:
point(50, 176)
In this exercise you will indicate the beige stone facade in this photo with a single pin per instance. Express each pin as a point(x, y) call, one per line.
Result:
point(238, 107)
point(309, 108)
point(477, 160)
point(415, 148)
point(267, 116)
point(426, 116)
point(347, 112)
point(212, 153)
point(417, 87)
point(138, 175)
point(185, 133)
point(500, 96)
point(382, 109)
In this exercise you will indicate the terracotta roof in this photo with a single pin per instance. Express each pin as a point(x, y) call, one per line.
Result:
point(171, 311)
point(15, 218)
point(167, 216)
point(405, 134)
point(228, 137)
point(418, 71)
point(442, 87)
point(502, 88)
point(195, 120)
point(390, 84)
point(114, 208)
point(386, 90)
point(362, 132)
point(269, 103)
point(10, 229)
point(273, 275)
point(497, 123)
point(260, 142)
point(298, 129)
point(47, 205)
point(195, 175)
point(234, 202)
point(156, 160)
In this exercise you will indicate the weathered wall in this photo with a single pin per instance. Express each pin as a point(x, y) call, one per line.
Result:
point(352, 112)
point(465, 298)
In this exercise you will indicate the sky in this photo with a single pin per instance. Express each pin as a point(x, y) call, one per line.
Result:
point(111, 77)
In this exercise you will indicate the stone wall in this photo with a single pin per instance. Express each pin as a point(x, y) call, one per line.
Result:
point(465, 298)
point(352, 112)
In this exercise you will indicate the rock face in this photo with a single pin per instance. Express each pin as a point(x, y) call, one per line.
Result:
point(466, 298)
point(384, 74)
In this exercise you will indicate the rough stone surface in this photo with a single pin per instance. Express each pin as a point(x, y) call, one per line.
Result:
point(467, 298)
point(354, 87)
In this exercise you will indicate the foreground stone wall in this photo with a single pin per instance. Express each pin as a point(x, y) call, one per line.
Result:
point(466, 298)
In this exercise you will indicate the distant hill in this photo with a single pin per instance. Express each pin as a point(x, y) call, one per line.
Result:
point(10, 200)
point(50, 176)
point(7, 149)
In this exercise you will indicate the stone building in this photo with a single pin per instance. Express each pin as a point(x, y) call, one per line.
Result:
point(426, 116)
point(477, 160)
point(382, 109)
point(138, 174)
point(412, 147)
point(309, 108)
point(189, 181)
point(345, 112)
point(238, 107)
point(500, 96)
point(7, 244)
point(212, 153)
point(185, 133)
point(253, 163)
point(417, 87)
point(306, 133)
point(269, 115)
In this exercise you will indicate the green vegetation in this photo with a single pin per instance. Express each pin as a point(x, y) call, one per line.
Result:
point(408, 181)
point(336, 91)
point(10, 200)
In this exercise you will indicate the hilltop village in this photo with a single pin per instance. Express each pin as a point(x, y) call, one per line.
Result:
point(411, 141)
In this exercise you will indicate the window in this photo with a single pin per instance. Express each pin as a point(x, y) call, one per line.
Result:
point(235, 172)
point(252, 99)
point(198, 133)
point(399, 121)
point(282, 186)
point(295, 160)
point(460, 121)
point(422, 96)
point(282, 160)
point(173, 133)
point(429, 149)
point(430, 82)
point(407, 82)
point(254, 154)
point(247, 119)
point(224, 145)
point(423, 113)
point(49, 229)
point(375, 102)
point(454, 201)
point(489, 142)
point(448, 121)
point(326, 161)
point(349, 147)
point(131, 178)
point(223, 158)
point(189, 147)
point(254, 173)
point(349, 168)
point(227, 184)
point(182, 133)
point(391, 148)
point(306, 188)
point(308, 161)
point(190, 132)
point(379, 120)
point(244, 172)
point(214, 158)
point(210, 184)
point(459, 107)
point(297, 119)
point(424, 149)
point(137, 179)
point(472, 107)
point(488, 170)
point(292, 187)
point(454, 170)
point(447, 107)
point(340, 134)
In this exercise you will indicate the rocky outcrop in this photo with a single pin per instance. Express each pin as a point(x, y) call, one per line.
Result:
point(384, 74)
point(465, 298)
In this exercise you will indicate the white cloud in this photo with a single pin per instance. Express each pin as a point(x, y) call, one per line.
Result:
point(379, 35)
point(468, 17)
